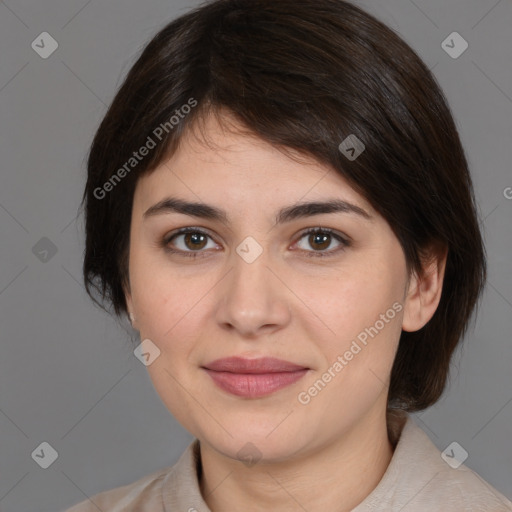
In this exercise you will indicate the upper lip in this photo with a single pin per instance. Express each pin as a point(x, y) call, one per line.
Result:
point(259, 365)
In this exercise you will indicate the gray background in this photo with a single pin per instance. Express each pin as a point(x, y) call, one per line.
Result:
point(67, 372)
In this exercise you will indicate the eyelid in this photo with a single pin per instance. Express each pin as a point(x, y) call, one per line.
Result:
point(343, 239)
point(330, 231)
point(183, 231)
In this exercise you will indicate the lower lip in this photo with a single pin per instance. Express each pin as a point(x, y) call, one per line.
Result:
point(254, 385)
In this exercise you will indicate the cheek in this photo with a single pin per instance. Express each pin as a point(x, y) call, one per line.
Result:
point(344, 303)
point(167, 313)
point(160, 298)
point(172, 311)
point(356, 316)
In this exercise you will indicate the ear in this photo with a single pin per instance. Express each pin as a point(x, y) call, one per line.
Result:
point(129, 307)
point(424, 291)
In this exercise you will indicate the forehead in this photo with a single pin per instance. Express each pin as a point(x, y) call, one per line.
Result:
point(223, 163)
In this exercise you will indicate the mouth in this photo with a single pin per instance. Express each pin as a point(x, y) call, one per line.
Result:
point(253, 378)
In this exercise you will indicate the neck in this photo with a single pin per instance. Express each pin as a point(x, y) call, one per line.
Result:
point(336, 477)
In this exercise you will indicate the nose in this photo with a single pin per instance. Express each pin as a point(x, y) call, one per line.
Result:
point(252, 299)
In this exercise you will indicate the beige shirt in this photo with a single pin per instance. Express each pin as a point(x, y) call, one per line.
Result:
point(417, 480)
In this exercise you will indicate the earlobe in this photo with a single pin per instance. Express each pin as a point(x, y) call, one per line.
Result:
point(129, 307)
point(133, 320)
point(424, 293)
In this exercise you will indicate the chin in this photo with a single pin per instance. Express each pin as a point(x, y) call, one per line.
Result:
point(253, 440)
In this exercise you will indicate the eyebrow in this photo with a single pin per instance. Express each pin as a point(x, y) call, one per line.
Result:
point(287, 214)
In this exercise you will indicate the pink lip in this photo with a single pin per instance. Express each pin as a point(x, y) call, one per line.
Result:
point(253, 378)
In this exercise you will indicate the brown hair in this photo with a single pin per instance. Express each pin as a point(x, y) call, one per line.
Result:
point(303, 74)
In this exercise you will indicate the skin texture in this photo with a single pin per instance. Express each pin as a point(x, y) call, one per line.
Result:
point(331, 452)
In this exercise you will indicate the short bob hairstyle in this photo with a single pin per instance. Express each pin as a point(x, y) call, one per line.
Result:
point(302, 75)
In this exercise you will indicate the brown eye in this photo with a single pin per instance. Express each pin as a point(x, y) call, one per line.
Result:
point(320, 239)
point(187, 242)
point(194, 240)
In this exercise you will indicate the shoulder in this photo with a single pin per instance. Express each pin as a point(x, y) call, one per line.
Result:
point(174, 486)
point(453, 483)
point(145, 492)
point(464, 490)
point(420, 478)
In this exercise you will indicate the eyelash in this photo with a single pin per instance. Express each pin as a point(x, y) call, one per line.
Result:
point(312, 254)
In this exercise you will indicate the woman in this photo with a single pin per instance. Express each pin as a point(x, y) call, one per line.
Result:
point(279, 200)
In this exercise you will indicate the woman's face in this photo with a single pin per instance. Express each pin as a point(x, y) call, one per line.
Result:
point(258, 288)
